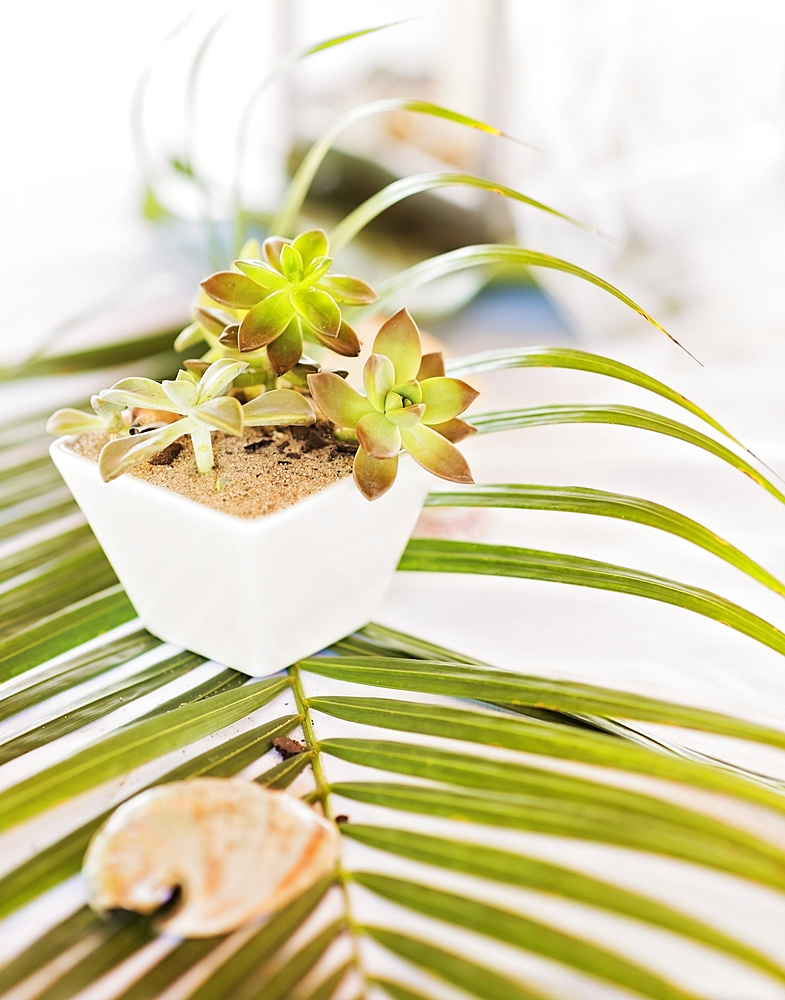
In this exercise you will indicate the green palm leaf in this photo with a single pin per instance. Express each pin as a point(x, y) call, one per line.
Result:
point(624, 416)
point(580, 500)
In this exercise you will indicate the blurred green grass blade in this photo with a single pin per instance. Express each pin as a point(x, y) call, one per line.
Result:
point(643, 821)
point(406, 187)
point(48, 549)
point(32, 479)
point(624, 416)
point(96, 705)
point(455, 680)
point(59, 505)
point(430, 555)
point(59, 632)
point(522, 932)
point(131, 746)
point(578, 819)
point(22, 430)
point(283, 774)
point(62, 859)
point(115, 949)
point(484, 254)
point(392, 641)
point(14, 471)
point(280, 985)
point(243, 127)
point(77, 927)
point(565, 357)
point(472, 858)
point(234, 973)
point(533, 737)
point(97, 358)
point(580, 500)
point(329, 986)
point(397, 991)
point(72, 578)
point(286, 220)
point(477, 980)
point(25, 691)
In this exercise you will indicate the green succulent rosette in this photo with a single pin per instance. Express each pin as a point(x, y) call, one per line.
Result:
point(409, 405)
point(277, 301)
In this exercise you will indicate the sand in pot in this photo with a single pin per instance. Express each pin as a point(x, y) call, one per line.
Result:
point(266, 470)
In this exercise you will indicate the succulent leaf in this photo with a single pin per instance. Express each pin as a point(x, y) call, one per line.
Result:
point(445, 398)
point(191, 335)
point(278, 406)
point(454, 430)
point(286, 350)
point(410, 391)
point(310, 245)
point(378, 437)
point(378, 380)
point(221, 414)
point(271, 251)
point(347, 343)
point(231, 337)
point(435, 453)
point(262, 275)
point(318, 311)
point(124, 453)
point(71, 421)
point(235, 290)
point(399, 340)
point(406, 416)
point(182, 394)
point(218, 377)
point(431, 366)
point(347, 290)
point(374, 476)
point(213, 321)
point(266, 321)
point(251, 249)
point(337, 400)
point(138, 392)
point(291, 263)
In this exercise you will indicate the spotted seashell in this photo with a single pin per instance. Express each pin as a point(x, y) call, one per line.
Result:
point(237, 851)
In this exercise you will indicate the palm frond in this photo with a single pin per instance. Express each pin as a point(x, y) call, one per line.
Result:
point(442, 752)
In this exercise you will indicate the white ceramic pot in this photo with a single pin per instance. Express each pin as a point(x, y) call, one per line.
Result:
point(254, 594)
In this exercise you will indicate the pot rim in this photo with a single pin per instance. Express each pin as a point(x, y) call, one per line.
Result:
point(148, 492)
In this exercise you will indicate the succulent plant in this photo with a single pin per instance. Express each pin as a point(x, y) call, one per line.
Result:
point(203, 406)
point(406, 406)
point(108, 417)
point(278, 299)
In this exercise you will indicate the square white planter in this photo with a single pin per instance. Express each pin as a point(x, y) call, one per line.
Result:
point(253, 594)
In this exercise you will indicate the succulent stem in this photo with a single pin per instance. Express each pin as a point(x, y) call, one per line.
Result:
point(203, 449)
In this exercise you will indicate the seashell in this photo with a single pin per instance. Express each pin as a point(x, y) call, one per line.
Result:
point(237, 851)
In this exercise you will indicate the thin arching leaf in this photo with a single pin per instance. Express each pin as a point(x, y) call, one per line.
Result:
point(484, 254)
point(566, 357)
point(406, 187)
point(286, 219)
point(472, 858)
point(624, 416)
point(581, 500)
point(448, 556)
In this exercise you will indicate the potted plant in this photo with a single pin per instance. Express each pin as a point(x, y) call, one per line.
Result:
point(255, 528)
point(442, 817)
